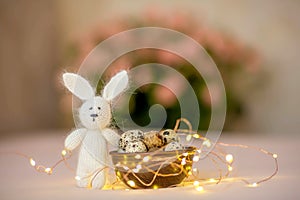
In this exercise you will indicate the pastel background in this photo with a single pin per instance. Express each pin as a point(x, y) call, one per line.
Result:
point(34, 36)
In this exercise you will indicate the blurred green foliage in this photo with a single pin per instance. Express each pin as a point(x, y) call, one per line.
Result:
point(232, 58)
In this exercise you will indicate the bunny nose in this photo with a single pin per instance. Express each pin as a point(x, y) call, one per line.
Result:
point(94, 115)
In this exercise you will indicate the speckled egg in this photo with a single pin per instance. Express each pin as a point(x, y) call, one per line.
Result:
point(173, 146)
point(130, 136)
point(168, 136)
point(152, 140)
point(136, 146)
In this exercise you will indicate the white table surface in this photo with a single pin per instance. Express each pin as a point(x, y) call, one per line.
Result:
point(20, 181)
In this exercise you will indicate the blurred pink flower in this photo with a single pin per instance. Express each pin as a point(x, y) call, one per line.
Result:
point(170, 89)
point(229, 54)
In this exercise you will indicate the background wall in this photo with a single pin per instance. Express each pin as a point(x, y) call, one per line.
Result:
point(29, 56)
point(33, 35)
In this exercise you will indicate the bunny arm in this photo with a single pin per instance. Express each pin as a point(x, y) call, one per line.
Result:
point(111, 136)
point(75, 138)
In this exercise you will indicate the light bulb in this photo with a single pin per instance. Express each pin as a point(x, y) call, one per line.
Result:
point(131, 183)
point(32, 162)
point(63, 152)
point(146, 159)
point(196, 183)
point(199, 188)
point(253, 185)
point(196, 158)
point(229, 158)
point(48, 170)
point(183, 162)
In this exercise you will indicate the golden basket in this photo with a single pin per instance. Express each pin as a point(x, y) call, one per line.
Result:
point(154, 170)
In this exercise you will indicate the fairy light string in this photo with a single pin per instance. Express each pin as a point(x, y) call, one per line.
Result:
point(217, 158)
point(42, 168)
point(153, 163)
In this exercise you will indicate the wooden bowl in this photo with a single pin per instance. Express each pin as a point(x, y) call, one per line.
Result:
point(158, 169)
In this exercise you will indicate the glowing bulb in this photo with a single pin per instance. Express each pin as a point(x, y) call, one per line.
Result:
point(32, 162)
point(136, 170)
point(196, 183)
point(125, 167)
point(190, 173)
point(195, 169)
point(63, 152)
point(138, 156)
point(196, 158)
point(199, 188)
point(183, 162)
point(207, 143)
point(185, 154)
point(230, 168)
point(196, 135)
point(146, 159)
point(139, 166)
point(48, 170)
point(229, 158)
point(118, 174)
point(212, 180)
point(275, 155)
point(188, 138)
point(77, 178)
point(155, 187)
point(131, 183)
point(253, 185)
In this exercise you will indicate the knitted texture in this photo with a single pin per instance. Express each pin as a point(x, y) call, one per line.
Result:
point(95, 116)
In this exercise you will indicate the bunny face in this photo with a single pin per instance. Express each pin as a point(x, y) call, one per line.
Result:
point(95, 113)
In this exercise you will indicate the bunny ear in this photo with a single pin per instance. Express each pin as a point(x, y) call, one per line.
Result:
point(78, 86)
point(116, 85)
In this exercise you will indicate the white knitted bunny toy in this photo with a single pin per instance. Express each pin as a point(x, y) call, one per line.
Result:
point(95, 116)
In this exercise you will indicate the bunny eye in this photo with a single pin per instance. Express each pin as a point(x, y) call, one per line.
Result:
point(99, 108)
point(90, 108)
